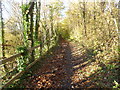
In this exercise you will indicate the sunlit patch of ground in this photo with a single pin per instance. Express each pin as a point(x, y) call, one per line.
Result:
point(71, 67)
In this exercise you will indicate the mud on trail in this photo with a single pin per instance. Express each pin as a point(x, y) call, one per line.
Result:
point(69, 67)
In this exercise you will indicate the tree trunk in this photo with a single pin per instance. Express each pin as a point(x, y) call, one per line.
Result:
point(119, 28)
point(31, 31)
point(94, 17)
point(84, 16)
point(2, 31)
point(38, 6)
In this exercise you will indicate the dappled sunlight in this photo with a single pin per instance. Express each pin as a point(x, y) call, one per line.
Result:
point(64, 70)
point(59, 44)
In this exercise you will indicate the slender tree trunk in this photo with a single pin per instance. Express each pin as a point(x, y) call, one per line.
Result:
point(94, 17)
point(51, 19)
point(109, 31)
point(38, 8)
point(2, 31)
point(37, 21)
point(84, 17)
point(47, 31)
point(42, 37)
point(31, 31)
point(119, 28)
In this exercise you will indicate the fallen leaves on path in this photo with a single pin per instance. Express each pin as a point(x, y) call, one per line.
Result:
point(69, 67)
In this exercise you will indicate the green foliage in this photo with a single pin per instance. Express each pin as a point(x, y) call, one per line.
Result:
point(24, 8)
point(23, 49)
point(101, 35)
point(111, 66)
point(37, 43)
point(116, 85)
point(101, 40)
point(56, 7)
point(22, 61)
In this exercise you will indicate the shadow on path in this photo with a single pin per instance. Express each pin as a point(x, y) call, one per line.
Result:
point(59, 70)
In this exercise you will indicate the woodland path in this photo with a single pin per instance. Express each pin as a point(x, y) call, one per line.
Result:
point(66, 68)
